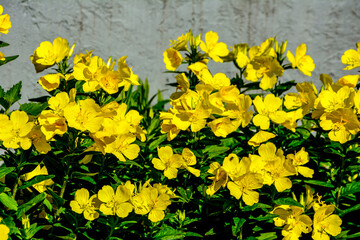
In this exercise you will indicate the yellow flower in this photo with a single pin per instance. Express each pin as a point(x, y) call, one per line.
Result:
point(4, 230)
point(14, 132)
point(127, 76)
point(181, 43)
point(298, 159)
point(38, 139)
point(2, 56)
point(294, 220)
point(52, 124)
point(47, 54)
point(5, 23)
point(151, 201)
point(303, 62)
point(84, 204)
point(220, 180)
point(40, 186)
point(349, 80)
point(121, 146)
point(265, 67)
point(260, 137)
point(242, 59)
point(183, 82)
point(304, 99)
point(268, 109)
point(326, 223)
point(243, 187)
point(168, 161)
point(223, 126)
point(84, 115)
point(351, 58)
point(115, 203)
point(342, 123)
point(172, 59)
point(213, 48)
point(50, 81)
point(189, 160)
point(88, 71)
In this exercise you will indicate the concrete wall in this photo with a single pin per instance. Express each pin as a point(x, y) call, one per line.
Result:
point(142, 29)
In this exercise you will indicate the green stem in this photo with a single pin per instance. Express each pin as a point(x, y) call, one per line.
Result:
point(15, 188)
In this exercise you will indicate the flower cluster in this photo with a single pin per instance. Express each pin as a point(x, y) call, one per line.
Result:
point(146, 199)
point(295, 221)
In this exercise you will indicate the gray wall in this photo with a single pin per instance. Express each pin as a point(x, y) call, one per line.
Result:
point(142, 29)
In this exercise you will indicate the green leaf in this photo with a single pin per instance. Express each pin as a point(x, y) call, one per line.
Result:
point(264, 218)
point(5, 170)
point(350, 188)
point(2, 92)
point(35, 180)
point(13, 94)
point(305, 133)
point(215, 150)
point(25, 207)
point(157, 142)
point(168, 233)
point(30, 232)
point(319, 183)
point(238, 223)
point(349, 210)
point(8, 59)
point(192, 234)
point(267, 236)
point(58, 200)
point(33, 109)
point(8, 202)
point(3, 44)
point(287, 201)
point(255, 206)
point(356, 235)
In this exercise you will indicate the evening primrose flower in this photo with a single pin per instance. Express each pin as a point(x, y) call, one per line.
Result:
point(172, 59)
point(243, 181)
point(38, 139)
point(151, 201)
point(82, 204)
point(326, 223)
point(50, 81)
point(268, 109)
point(303, 62)
point(127, 76)
point(14, 131)
point(168, 161)
point(115, 202)
point(5, 23)
point(298, 159)
point(84, 115)
point(213, 48)
point(40, 186)
point(294, 220)
point(342, 123)
point(52, 124)
point(47, 54)
point(260, 137)
point(304, 99)
point(121, 146)
point(180, 44)
point(351, 58)
point(189, 160)
point(4, 230)
point(265, 67)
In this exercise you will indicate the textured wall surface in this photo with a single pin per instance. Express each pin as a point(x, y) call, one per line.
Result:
point(141, 29)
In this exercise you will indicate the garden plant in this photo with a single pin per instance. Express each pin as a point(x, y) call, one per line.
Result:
point(251, 156)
